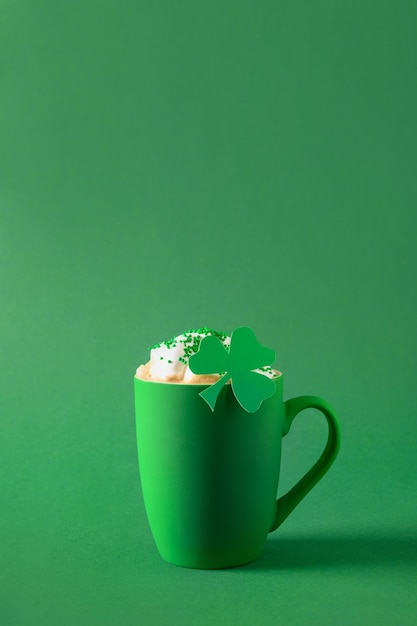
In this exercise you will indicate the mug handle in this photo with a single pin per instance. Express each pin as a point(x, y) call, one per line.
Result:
point(288, 502)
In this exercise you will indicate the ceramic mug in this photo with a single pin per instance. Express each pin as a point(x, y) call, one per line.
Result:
point(210, 478)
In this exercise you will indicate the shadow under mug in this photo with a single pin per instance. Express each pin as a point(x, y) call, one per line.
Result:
point(210, 479)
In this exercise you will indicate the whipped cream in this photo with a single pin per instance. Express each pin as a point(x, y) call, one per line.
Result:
point(169, 359)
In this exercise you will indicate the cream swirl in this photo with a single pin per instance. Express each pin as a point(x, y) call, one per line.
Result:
point(169, 359)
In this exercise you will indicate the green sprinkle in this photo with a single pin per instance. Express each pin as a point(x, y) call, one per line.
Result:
point(190, 341)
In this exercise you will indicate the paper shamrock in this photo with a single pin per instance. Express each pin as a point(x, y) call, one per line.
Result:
point(245, 354)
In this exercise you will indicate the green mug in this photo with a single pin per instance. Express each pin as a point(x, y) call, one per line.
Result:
point(210, 478)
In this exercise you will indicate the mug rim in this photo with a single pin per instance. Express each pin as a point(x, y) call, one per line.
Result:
point(278, 375)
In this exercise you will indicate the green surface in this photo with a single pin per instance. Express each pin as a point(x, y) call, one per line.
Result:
point(170, 165)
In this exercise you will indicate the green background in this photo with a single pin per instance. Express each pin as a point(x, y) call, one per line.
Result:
point(168, 165)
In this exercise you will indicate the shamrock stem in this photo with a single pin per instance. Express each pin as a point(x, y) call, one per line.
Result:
point(211, 394)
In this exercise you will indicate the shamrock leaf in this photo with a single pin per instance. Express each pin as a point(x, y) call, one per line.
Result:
point(245, 355)
point(251, 389)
